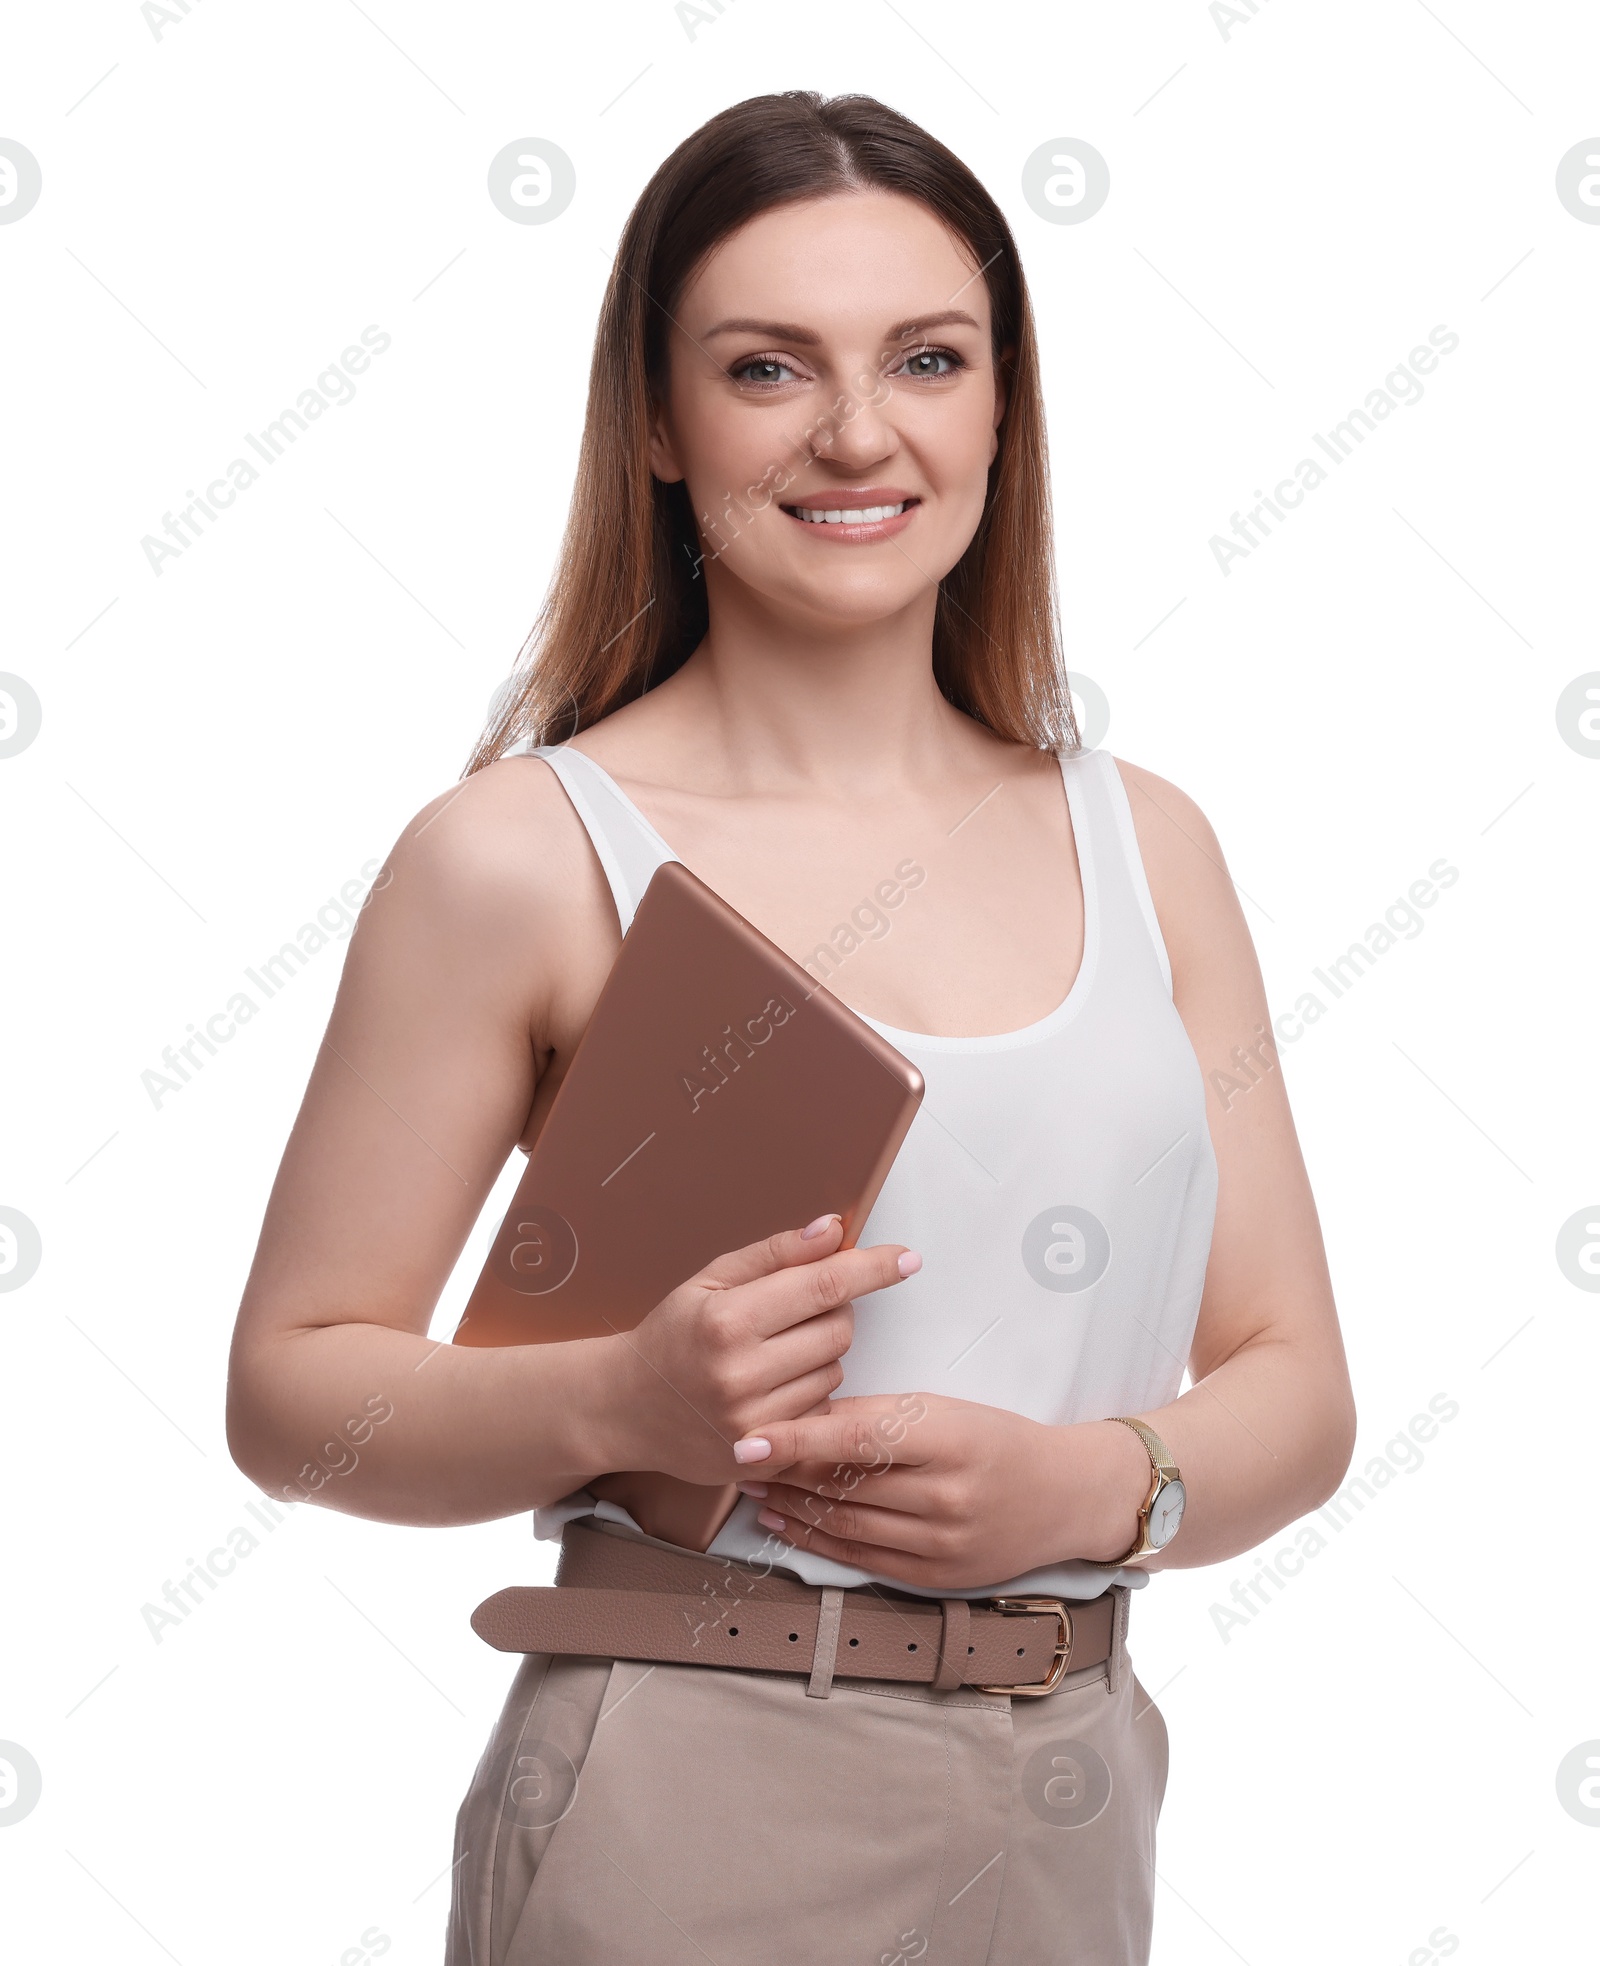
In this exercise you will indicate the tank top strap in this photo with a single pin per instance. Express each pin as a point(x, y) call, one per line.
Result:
point(1113, 868)
point(628, 846)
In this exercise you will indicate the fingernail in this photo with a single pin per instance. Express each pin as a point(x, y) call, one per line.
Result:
point(754, 1449)
point(770, 1520)
point(909, 1263)
point(756, 1488)
point(816, 1228)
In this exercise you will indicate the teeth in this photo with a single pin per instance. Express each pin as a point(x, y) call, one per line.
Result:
point(867, 515)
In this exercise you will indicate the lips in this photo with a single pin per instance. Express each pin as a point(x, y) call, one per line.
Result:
point(855, 514)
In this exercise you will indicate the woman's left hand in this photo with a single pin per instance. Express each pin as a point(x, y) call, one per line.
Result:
point(935, 1491)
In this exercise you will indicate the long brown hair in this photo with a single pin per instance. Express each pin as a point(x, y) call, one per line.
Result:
point(626, 605)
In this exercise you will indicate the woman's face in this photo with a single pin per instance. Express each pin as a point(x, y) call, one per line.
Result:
point(833, 357)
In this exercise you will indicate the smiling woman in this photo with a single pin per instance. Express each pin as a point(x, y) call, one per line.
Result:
point(628, 604)
point(803, 627)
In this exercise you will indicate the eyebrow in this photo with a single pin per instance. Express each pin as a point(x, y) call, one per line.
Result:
point(791, 331)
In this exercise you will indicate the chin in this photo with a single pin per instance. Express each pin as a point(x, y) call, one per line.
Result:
point(846, 613)
point(849, 599)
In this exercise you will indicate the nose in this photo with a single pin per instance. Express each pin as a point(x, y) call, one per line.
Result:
point(859, 432)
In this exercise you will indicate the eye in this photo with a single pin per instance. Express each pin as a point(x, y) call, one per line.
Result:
point(762, 371)
point(920, 362)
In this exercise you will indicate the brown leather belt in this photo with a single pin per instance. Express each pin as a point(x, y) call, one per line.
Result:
point(616, 1597)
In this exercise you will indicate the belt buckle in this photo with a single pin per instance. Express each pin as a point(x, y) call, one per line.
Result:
point(1021, 1607)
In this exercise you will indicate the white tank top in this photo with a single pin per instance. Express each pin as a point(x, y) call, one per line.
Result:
point(1059, 1181)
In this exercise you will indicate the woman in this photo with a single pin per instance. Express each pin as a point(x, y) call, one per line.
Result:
point(803, 628)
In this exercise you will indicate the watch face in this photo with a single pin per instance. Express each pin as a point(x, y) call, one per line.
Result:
point(1166, 1515)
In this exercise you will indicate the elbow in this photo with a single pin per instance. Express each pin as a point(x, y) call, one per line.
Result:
point(253, 1442)
point(245, 1443)
point(1333, 1463)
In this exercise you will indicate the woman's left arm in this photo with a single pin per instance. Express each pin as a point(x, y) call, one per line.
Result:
point(1266, 1430)
point(941, 1491)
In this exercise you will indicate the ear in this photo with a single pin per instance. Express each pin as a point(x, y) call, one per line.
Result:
point(663, 456)
point(1002, 396)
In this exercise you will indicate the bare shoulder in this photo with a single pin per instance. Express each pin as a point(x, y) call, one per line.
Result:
point(496, 879)
point(1195, 900)
point(507, 833)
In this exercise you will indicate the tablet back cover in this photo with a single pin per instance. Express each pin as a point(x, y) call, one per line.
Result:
point(719, 1094)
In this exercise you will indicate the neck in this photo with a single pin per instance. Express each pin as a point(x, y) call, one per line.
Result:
point(774, 699)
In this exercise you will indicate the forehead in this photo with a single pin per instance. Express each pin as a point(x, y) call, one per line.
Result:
point(853, 260)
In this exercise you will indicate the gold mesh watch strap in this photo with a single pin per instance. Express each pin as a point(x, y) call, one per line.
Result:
point(1163, 1465)
point(1154, 1446)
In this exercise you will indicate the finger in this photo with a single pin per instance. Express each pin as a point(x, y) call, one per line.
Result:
point(902, 1488)
point(773, 1303)
point(854, 1520)
point(849, 1514)
point(815, 1343)
point(881, 1560)
point(776, 1252)
point(873, 1431)
point(808, 1395)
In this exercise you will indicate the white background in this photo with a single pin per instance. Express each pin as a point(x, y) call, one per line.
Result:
point(1296, 199)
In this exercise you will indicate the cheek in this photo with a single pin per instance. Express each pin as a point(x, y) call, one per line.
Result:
point(956, 438)
point(951, 440)
point(743, 530)
point(731, 457)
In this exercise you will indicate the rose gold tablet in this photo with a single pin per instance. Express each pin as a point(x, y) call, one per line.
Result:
point(719, 1094)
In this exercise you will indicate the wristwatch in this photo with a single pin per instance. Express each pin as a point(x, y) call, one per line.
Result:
point(1163, 1506)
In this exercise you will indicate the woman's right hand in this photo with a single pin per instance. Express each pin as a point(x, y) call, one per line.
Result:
point(755, 1336)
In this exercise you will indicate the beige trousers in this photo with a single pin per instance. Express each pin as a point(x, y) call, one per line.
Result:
point(661, 1815)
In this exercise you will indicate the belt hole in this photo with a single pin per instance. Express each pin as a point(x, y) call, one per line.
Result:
point(911, 1648)
point(733, 1631)
point(855, 1641)
point(1020, 1650)
point(793, 1636)
point(972, 1648)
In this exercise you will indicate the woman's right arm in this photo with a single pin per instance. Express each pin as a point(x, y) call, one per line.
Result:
point(484, 937)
